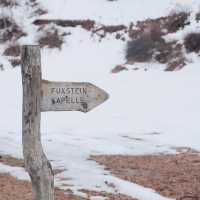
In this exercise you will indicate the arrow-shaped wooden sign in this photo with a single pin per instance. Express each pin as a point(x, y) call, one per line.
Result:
point(71, 96)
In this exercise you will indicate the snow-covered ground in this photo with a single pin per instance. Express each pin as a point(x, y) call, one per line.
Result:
point(141, 103)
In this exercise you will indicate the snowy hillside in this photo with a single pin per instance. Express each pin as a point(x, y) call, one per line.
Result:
point(158, 108)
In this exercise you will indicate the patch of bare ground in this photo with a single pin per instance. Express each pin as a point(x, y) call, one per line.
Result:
point(24, 187)
point(176, 176)
point(13, 189)
point(11, 161)
point(109, 196)
point(15, 162)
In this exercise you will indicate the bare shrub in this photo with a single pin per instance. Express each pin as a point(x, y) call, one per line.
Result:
point(5, 22)
point(140, 50)
point(176, 21)
point(192, 42)
point(160, 26)
point(40, 11)
point(118, 68)
point(198, 17)
point(9, 30)
point(7, 3)
point(15, 62)
point(13, 50)
point(148, 44)
point(86, 24)
point(1, 67)
point(51, 39)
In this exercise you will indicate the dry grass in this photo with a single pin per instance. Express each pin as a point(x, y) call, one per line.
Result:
point(175, 176)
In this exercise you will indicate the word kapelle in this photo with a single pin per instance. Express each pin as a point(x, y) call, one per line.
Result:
point(67, 99)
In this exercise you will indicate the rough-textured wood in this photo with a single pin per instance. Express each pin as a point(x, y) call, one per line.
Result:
point(36, 162)
point(71, 96)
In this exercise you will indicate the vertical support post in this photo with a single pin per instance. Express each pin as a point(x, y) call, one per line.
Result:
point(36, 163)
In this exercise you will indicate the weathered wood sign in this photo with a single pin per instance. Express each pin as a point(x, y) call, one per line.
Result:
point(71, 96)
point(40, 95)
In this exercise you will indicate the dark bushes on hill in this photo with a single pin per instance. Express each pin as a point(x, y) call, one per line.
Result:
point(192, 42)
point(176, 21)
point(8, 3)
point(9, 30)
point(140, 50)
point(13, 50)
point(51, 39)
point(148, 43)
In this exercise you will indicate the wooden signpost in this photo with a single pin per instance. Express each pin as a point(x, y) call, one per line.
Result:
point(40, 96)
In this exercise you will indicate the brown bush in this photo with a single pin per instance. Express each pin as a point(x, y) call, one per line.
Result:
point(51, 39)
point(5, 22)
point(8, 3)
point(86, 24)
point(148, 44)
point(111, 29)
point(9, 30)
point(198, 17)
point(118, 68)
point(170, 24)
point(177, 21)
point(176, 59)
point(40, 11)
point(192, 42)
point(140, 50)
point(15, 62)
point(13, 50)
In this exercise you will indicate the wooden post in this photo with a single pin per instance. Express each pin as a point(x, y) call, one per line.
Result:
point(36, 163)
